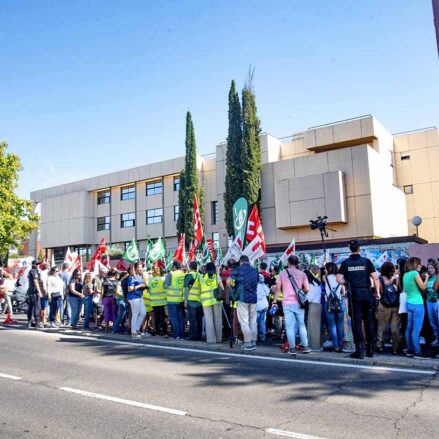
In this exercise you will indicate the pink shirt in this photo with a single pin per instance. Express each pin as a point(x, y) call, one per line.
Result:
point(283, 281)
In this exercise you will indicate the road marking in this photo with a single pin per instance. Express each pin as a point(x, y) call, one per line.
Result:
point(290, 434)
point(231, 354)
point(124, 401)
point(9, 377)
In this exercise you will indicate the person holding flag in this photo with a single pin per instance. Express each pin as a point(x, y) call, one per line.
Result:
point(173, 284)
point(158, 299)
point(192, 300)
point(136, 285)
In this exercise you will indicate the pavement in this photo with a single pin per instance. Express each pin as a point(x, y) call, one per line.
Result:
point(60, 383)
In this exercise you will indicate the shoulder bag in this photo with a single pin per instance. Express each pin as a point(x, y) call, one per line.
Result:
point(300, 294)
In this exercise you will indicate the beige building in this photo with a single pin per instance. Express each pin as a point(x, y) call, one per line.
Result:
point(368, 182)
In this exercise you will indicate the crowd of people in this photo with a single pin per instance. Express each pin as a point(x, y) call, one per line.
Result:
point(348, 308)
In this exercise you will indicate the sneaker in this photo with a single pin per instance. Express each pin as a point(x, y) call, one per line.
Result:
point(306, 350)
point(435, 342)
point(292, 352)
point(146, 334)
point(409, 354)
point(52, 325)
point(247, 347)
point(328, 344)
point(136, 336)
point(421, 356)
point(29, 326)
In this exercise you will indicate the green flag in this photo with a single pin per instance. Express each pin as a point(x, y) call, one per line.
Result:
point(156, 251)
point(169, 261)
point(240, 214)
point(131, 253)
point(205, 255)
point(220, 256)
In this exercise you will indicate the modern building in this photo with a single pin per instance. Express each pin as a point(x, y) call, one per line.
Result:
point(368, 182)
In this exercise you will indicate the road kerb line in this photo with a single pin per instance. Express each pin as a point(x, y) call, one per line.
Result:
point(124, 401)
point(9, 377)
point(290, 434)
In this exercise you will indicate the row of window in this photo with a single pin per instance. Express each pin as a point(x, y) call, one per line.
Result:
point(153, 216)
point(129, 192)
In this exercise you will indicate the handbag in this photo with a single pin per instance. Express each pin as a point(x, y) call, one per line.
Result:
point(300, 294)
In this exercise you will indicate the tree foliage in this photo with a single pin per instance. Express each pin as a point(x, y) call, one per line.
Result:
point(234, 175)
point(17, 220)
point(251, 146)
point(181, 204)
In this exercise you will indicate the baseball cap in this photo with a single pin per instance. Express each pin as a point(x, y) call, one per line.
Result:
point(354, 243)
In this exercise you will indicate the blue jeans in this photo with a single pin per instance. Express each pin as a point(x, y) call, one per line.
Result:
point(261, 318)
point(433, 317)
point(74, 303)
point(88, 310)
point(295, 317)
point(415, 318)
point(176, 314)
point(121, 311)
point(336, 327)
point(55, 306)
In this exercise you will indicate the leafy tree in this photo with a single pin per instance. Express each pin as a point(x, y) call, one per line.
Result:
point(251, 146)
point(234, 175)
point(16, 218)
point(181, 204)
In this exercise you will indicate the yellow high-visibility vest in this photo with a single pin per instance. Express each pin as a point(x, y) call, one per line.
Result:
point(157, 291)
point(174, 293)
point(208, 286)
point(195, 290)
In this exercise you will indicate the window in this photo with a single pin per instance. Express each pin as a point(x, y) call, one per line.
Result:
point(408, 189)
point(154, 188)
point(215, 215)
point(103, 223)
point(154, 216)
point(405, 157)
point(176, 183)
point(128, 193)
point(104, 197)
point(127, 220)
point(176, 210)
point(215, 239)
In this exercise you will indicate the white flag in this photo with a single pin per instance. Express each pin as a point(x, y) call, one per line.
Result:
point(254, 250)
point(291, 250)
point(234, 252)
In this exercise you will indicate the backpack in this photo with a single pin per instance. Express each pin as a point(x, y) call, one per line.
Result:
point(389, 296)
point(333, 302)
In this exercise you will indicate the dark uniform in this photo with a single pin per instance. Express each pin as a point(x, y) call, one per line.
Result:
point(357, 270)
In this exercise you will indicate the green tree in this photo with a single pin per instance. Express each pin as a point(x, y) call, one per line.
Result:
point(234, 175)
point(16, 218)
point(251, 146)
point(181, 203)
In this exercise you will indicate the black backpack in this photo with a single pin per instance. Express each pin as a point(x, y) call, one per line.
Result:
point(389, 295)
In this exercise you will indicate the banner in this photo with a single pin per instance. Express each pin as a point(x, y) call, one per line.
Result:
point(240, 214)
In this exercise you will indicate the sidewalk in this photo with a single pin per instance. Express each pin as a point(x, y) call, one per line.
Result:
point(270, 348)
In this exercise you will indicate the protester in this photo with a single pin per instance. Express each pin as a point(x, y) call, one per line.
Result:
point(109, 287)
point(44, 301)
point(121, 295)
point(65, 308)
point(262, 307)
point(192, 299)
point(174, 283)
point(288, 282)
point(246, 279)
point(388, 307)
point(432, 301)
point(87, 291)
point(74, 298)
point(34, 294)
point(8, 287)
point(357, 272)
point(211, 289)
point(314, 326)
point(55, 295)
point(158, 299)
point(136, 285)
point(414, 286)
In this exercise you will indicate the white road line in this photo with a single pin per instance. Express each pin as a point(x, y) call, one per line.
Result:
point(124, 401)
point(290, 434)
point(292, 361)
point(9, 377)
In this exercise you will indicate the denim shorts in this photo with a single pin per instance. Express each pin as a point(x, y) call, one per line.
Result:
point(44, 302)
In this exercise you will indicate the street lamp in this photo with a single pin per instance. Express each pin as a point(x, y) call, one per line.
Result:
point(416, 221)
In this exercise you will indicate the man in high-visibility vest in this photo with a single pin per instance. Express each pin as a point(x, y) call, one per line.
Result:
point(192, 300)
point(157, 295)
point(174, 296)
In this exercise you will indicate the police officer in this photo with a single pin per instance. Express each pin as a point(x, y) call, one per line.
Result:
point(356, 272)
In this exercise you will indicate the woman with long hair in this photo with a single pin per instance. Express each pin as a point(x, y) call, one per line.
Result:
point(136, 285)
point(432, 301)
point(314, 312)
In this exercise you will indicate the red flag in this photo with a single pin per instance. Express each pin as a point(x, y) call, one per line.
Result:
point(193, 251)
point(198, 226)
point(211, 250)
point(254, 228)
point(76, 264)
point(179, 252)
point(122, 265)
point(100, 251)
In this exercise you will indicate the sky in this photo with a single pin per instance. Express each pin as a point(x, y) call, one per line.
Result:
point(89, 87)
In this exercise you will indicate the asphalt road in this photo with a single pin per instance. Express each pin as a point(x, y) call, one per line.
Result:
point(138, 391)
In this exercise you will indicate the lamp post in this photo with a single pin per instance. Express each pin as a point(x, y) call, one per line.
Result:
point(417, 221)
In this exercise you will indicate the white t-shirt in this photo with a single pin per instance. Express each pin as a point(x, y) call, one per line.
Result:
point(262, 293)
point(331, 284)
point(315, 293)
point(55, 285)
point(9, 284)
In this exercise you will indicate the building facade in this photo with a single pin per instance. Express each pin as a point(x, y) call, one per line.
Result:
point(368, 182)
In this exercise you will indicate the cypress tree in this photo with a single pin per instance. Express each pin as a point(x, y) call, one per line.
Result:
point(234, 176)
point(251, 146)
point(181, 204)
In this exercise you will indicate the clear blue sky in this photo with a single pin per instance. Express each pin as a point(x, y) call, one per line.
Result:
point(92, 86)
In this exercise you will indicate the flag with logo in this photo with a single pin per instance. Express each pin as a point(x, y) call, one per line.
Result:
point(198, 226)
point(192, 255)
point(220, 256)
point(76, 265)
point(179, 252)
point(254, 229)
point(290, 250)
point(169, 261)
point(234, 252)
point(240, 214)
point(131, 254)
point(98, 254)
point(254, 250)
point(156, 251)
point(205, 255)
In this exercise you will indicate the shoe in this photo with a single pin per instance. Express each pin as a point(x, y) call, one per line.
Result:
point(359, 352)
point(247, 347)
point(52, 325)
point(421, 340)
point(292, 352)
point(136, 336)
point(435, 342)
point(421, 356)
point(409, 354)
point(306, 350)
point(328, 344)
point(29, 326)
point(146, 335)
point(369, 351)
